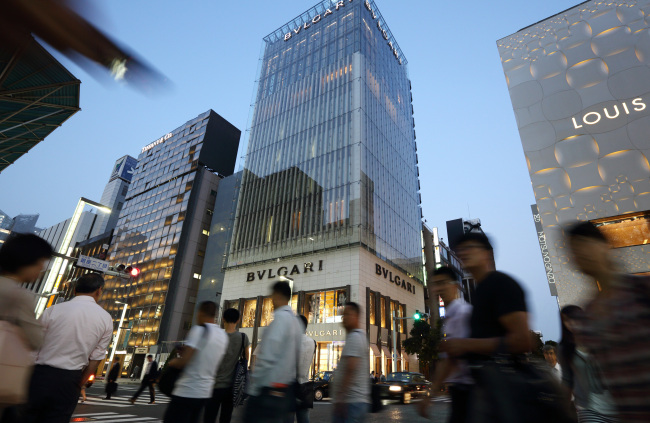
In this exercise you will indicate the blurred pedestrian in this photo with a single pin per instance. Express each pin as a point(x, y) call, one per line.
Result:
point(452, 371)
point(136, 372)
point(581, 375)
point(148, 380)
point(615, 328)
point(271, 386)
point(550, 355)
point(200, 359)
point(77, 333)
point(306, 357)
point(222, 394)
point(372, 377)
point(22, 259)
point(351, 388)
point(111, 379)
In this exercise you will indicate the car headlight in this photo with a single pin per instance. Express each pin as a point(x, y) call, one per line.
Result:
point(395, 388)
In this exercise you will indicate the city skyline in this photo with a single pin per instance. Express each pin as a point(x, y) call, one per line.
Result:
point(462, 114)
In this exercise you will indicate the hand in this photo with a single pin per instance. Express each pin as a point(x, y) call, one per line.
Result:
point(455, 347)
point(423, 408)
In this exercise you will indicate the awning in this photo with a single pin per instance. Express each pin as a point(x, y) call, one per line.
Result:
point(375, 350)
point(386, 351)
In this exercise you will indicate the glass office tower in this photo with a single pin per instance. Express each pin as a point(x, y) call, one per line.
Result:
point(329, 194)
point(163, 230)
point(579, 83)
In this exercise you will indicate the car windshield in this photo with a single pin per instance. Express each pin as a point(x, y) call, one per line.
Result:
point(399, 377)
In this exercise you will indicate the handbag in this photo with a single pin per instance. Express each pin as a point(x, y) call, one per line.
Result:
point(16, 364)
point(240, 378)
point(514, 390)
point(170, 375)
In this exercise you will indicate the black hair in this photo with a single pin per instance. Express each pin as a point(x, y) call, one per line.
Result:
point(478, 237)
point(445, 271)
point(548, 347)
point(231, 315)
point(568, 343)
point(209, 308)
point(303, 320)
point(282, 288)
point(356, 307)
point(89, 283)
point(23, 250)
point(586, 230)
point(150, 356)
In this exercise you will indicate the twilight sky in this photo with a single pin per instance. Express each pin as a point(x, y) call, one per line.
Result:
point(471, 160)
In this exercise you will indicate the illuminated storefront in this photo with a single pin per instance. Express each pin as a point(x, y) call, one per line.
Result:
point(579, 83)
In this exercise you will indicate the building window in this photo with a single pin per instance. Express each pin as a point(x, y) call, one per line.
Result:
point(248, 316)
point(402, 323)
point(325, 307)
point(206, 232)
point(382, 311)
point(197, 276)
point(120, 205)
point(371, 308)
point(231, 304)
point(125, 189)
point(267, 312)
point(393, 311)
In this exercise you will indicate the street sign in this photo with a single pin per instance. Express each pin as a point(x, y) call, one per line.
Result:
point(141, 350)
point(92, 263)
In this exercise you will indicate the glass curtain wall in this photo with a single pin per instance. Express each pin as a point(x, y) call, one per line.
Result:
point(331, 156)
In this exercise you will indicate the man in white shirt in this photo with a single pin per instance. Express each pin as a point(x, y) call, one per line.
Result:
point(453, 372)
point(275, 367)
point(200, 358)
point(307, 352)
point(77, 333)
point(551, 358)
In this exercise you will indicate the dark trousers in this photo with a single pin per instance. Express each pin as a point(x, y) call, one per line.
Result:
point(152, 392)
point(459, 402)
point(53, 395)
point(184, 410)
point(221, 399)
point(271, 406)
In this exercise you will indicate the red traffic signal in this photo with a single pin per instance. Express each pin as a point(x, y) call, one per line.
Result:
point(135, 272)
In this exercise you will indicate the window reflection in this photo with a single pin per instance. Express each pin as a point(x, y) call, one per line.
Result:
point(267, 312)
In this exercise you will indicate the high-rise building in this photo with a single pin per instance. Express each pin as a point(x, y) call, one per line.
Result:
point(115, 194)
point(163, 230)
point(579, 83)
point(329, 193)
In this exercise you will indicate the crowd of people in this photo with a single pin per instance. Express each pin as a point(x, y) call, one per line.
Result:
point(599, 373)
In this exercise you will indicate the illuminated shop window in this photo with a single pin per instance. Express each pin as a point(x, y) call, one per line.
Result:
point(625, 231)
point(326, 306)
point(371, 308)
point(382, 311)
point(248, 316)
point(267, 312)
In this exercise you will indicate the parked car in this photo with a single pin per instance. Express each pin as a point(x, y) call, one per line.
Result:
point(322, 382)
point(404, 386)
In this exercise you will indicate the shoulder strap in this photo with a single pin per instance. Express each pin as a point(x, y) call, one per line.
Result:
point(243, 345)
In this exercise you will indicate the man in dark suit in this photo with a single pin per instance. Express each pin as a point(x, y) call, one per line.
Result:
point(111, 379)
point(149, 379)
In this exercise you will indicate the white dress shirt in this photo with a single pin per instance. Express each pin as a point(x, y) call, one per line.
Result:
point(307, 349)
point(276, 361)
point(76, 331)
point(455, 326)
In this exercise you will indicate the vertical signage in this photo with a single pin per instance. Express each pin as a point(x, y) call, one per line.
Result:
point(543, 246)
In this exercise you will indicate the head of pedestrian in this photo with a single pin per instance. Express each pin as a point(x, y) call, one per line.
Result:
point(116, 359)
point(303, 322)
point(207, 312)
point(90, 284)
point(231, 318)
point(23, 257)
point(351, 316)
point(150, 358)
point(590, 249)
point(549, 355)
point(475, 251)
point(280, 294)
point(445, 284)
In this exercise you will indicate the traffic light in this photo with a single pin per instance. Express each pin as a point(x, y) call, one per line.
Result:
point(417, 315)
point(135, 272)
point(125, 271)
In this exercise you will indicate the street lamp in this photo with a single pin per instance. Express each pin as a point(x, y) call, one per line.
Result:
point(117, 335)
point(58, 266)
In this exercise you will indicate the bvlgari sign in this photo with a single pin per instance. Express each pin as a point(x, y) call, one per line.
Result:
point(284, 271)
point(338, 5)
point(388, 274)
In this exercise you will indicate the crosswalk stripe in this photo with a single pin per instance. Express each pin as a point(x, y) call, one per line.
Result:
point(104, 403)
point(138, 419)
point(113, 416)
point(118, 398)
point(94, 414)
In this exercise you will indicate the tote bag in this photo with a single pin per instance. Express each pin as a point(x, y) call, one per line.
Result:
point(16, 364)
point(240, 378)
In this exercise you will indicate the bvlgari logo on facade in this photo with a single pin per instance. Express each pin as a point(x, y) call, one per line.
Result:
point(592, 118)
point(381, 270)
point(328, 12)
point(158, 141)
point(284, 271)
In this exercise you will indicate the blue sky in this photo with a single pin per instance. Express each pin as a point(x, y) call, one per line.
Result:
point(471, 160)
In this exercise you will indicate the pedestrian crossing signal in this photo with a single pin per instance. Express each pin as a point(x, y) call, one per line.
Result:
point(417, 315)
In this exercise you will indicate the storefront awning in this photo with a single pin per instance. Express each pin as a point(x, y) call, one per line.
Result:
point(375, 350)
point(386, 351)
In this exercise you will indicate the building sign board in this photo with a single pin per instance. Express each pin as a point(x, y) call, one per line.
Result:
point(388, 274)
point(546, 258)
point(92, 263)
point(158, 141)
point(124, 168)
point(307, 267)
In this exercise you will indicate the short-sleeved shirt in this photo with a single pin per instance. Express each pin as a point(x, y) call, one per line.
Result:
point(226, 370)
point(496, 296)
point(197, 378)
point(358, 391)
point(456, 326)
